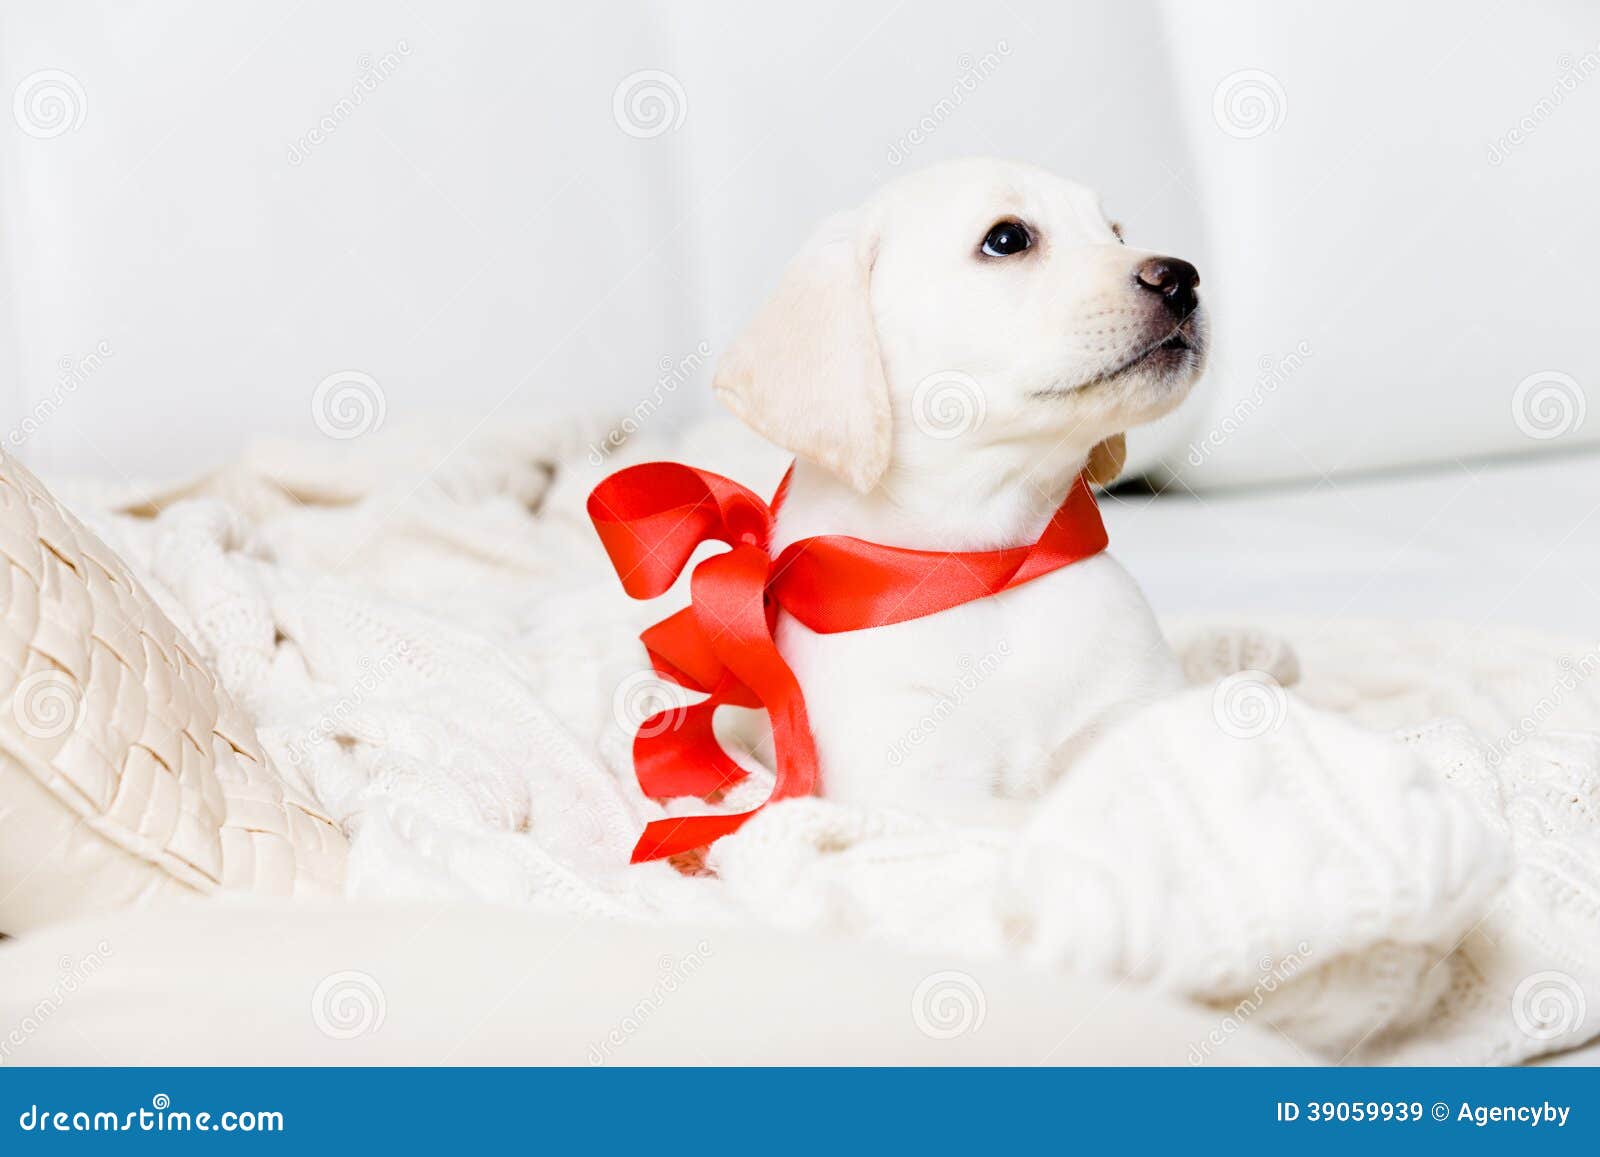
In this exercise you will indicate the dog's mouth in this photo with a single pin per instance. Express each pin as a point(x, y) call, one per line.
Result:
point(1182, 340)
point(1179, 339)
point(1171, 353)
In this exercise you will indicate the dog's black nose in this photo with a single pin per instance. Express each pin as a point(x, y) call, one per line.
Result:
point(1174, 280)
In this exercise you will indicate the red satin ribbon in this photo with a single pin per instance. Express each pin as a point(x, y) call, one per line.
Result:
point(651, 518)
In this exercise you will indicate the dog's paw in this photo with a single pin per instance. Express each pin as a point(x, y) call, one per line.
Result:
point(1214, 653)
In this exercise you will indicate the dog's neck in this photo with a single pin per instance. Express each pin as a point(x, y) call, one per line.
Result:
point(996, 497)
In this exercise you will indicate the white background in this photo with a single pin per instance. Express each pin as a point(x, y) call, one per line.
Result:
point(482, 237)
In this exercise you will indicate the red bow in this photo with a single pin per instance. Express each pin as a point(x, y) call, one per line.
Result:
point(651, 518)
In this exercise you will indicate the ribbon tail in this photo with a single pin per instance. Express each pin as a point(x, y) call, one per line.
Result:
point(676, 753)
point(729, 602)
point(673, 837)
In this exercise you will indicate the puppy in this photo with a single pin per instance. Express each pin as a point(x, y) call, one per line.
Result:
point(944, 361)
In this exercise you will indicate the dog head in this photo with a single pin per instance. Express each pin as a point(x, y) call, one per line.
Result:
point(974, 310)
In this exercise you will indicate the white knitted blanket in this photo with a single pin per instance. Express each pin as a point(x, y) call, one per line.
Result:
point(1398, 860)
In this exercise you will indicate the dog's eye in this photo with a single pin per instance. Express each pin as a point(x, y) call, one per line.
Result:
point(1006, 238)
point(1116, 231)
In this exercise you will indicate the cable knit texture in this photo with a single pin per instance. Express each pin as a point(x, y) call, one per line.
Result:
point(1396, 860)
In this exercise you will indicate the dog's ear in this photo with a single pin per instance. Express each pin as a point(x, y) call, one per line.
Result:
point(807, 373)
point(1106, 459)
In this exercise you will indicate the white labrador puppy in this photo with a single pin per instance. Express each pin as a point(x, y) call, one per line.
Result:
point(944, 361)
